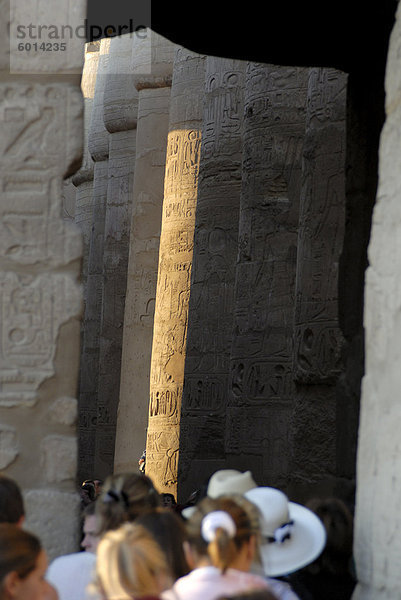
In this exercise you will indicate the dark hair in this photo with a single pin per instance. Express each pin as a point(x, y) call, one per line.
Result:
point(223, 549)
point(251, 595)
point(338, 523)
point(168, 530)
point(19, 551)
point(11, 501)
point(123, 498)
point(89, 509)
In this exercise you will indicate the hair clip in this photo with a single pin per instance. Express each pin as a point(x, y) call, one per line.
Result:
point(282, 533)
point(215, 520)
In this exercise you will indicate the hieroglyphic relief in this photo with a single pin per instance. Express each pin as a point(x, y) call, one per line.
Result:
point(175, 259)
point(318, 338)
point(32, 310)
point(261, 376)
point(34, 152)
point(213, 271)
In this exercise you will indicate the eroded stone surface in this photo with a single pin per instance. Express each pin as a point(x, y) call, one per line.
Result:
point(64, 411)
point(59, 458)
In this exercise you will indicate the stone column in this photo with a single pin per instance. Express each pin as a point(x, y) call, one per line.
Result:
point(120, 104)
point(151, 143)
point(261, 389)
point(98, 145)
point(175, 260)
point(210, 321)
point(318, 339)
point(83, 179)
point(41, 120)
point(377, 544)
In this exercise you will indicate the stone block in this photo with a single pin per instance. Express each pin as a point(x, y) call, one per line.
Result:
point(59, 458)
point(54, 517)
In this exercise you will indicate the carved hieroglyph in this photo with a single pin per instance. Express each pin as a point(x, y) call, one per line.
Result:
point(41, 139)
point(175, 260)
point(318, 340)
point(261, 381)
point(210, 321)
point(151, 143)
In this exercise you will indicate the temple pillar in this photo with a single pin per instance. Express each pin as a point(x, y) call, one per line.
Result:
point(377, 545)
point(41, 121)
point(120, 104)
point(151, 142)
point(174, 270)
point(98, 145)
point(261, 388)
point(210, 321)
point(318, 339)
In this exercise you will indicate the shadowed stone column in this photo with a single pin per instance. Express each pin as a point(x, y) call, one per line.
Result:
point(151, 143)
point(83, 179)
point(210, 322)
point(98, 144)
point(41, 122)
point(318, 340)
point(120, 104)
point(175, 260)
point(261, 388)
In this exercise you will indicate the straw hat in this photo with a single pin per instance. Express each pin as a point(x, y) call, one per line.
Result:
point(224, 483)
point(292, 535)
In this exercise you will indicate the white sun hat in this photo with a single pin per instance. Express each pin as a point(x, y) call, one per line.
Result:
point(230, 481)
point(292, 535)
point(224, 483)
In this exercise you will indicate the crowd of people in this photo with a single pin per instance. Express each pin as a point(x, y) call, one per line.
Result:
point(239, 541)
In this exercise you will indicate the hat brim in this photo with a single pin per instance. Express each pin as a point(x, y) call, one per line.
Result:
point(308, 538)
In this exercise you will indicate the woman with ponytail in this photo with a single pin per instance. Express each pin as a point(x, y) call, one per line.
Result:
point(223, 539)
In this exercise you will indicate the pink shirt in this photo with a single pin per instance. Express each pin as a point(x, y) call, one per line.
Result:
point(208, 583)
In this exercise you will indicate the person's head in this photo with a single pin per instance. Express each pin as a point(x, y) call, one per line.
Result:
point(131, 564)
point(11, 502)
point(123, 498)
point(23, 564)
point(168, 500)
point(90, 529)
point(169, 531)
point(338, 523)
point(222, 533)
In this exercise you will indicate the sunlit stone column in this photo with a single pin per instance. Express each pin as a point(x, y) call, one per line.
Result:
point(210, 322)
point(175, 260)
point(318, 339)
point(261, 388)
point(151, 143)
point(98, 145)
point(41, 121)
point(120, 104)
point(377, 546)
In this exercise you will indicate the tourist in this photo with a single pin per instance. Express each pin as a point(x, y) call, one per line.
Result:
point(23, 564)
point(90, 538)
point(221, 547)
point(123, 498)
point(331, 575)
point(292, 535)
point(11, 502)
point(169, 531)
point(131, 564)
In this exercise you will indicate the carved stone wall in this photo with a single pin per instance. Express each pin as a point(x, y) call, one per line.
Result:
point(41, 120)
point(151, 143)
point(175, 261)
point(210, 321)
point(261, 388)
point(317, 336)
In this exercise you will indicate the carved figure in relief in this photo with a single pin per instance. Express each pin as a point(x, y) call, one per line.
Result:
point(31, 141)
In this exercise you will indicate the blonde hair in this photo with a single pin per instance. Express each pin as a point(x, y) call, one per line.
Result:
point(224, 548)
point(130, 564)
